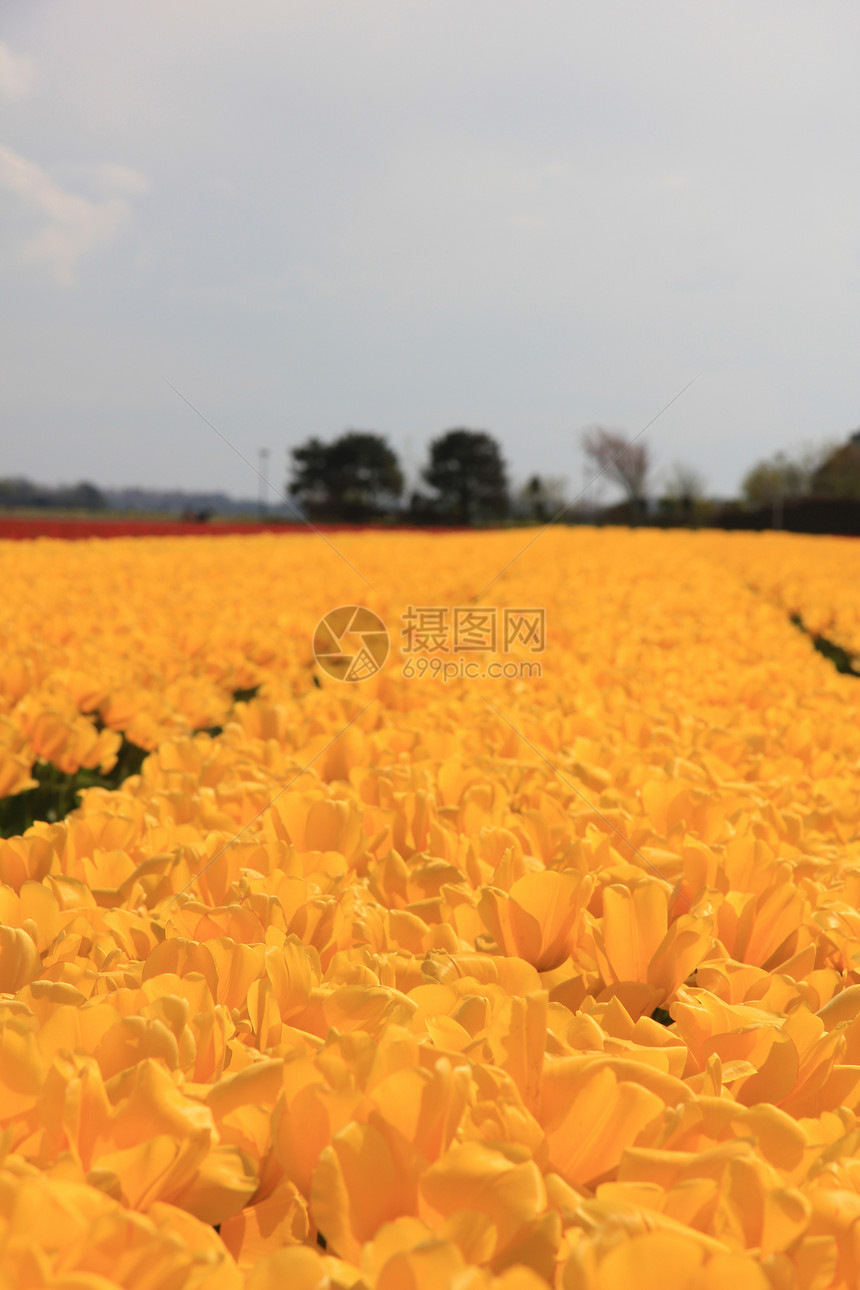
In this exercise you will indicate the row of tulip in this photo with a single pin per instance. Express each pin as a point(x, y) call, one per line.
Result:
point(494, 985)
point(143, 642)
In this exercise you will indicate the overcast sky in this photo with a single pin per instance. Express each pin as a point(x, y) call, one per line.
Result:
point(519, 217)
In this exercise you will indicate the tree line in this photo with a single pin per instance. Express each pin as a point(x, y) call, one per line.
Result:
point(21, 493)
point(358, 477)
point(465, 481)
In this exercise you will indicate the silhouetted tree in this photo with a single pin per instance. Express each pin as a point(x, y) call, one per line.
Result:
point(544, 496)
point(21, 492)
point(467, 471)
point(778, 477)
point(837, 472)
point(308, 479)
point(782, 476)
point(839, 479)
point(83, 496)
point(683, 493)
point(623, 462)
point(364, 475)
point(355, 477)
point(18, 492)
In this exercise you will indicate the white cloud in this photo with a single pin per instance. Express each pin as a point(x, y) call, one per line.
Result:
point(69, 225)
point(107, 179)
point(17, 74)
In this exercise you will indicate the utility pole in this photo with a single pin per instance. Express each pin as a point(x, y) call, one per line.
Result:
point(264, 482)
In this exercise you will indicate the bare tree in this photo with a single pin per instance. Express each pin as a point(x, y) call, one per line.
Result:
point(623, 462)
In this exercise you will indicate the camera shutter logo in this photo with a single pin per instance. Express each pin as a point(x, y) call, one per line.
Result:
point(351, 643)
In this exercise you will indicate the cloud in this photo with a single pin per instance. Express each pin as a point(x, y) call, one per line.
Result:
point(69, 224)
point(107, 179)
point(17, 74)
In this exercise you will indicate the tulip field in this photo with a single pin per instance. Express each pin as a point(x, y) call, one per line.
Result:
point(489, 983)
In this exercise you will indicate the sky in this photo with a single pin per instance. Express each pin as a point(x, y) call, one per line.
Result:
point(521, 218)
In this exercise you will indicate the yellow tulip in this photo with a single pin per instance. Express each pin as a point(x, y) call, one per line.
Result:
point(539, 919)
point(553, 992)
